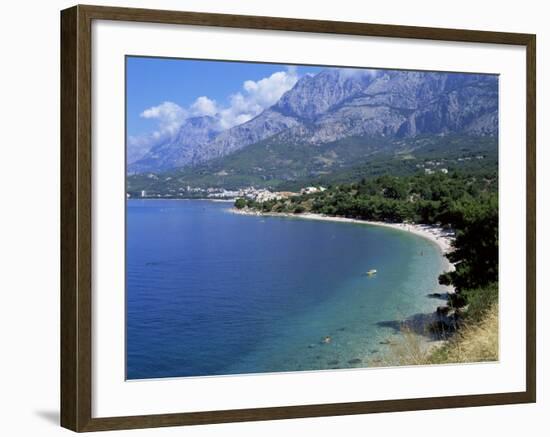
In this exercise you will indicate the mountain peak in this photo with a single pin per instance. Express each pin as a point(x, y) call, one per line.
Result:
point(314, 95)
point(338, 103)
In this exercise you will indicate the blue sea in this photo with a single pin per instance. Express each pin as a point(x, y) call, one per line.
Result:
point(210, 292)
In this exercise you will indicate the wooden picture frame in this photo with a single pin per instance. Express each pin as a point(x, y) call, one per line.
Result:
point(76, 218)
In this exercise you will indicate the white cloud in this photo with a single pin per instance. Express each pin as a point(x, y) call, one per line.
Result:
point(251, 100)
point(204, 106)
point(170, 116)
point(257, 96)
point(139, 145)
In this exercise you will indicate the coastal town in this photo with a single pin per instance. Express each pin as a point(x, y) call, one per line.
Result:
point(259, 195)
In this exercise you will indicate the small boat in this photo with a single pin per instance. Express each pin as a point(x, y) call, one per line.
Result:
point(371, 272)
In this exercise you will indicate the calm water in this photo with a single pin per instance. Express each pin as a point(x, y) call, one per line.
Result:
point(212, 293)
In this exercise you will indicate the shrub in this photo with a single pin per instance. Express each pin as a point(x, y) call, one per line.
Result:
point(240, 203)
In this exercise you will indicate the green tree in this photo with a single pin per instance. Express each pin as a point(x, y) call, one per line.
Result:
point(475, 253)
point(240, 203)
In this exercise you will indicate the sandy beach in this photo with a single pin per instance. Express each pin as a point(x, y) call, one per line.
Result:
point(443, 238)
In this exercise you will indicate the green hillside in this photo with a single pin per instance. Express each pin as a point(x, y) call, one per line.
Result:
point(278, 165)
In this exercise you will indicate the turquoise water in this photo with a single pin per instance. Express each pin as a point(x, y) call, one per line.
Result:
point(210, 292)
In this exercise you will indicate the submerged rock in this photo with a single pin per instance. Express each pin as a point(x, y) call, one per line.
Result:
point(438, 295)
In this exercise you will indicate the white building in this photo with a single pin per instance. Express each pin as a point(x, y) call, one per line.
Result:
point(311, 190)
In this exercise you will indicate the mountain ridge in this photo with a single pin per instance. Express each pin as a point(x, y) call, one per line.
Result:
point(339, 103)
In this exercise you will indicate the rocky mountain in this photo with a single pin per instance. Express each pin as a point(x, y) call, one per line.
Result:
point(394, 103)
point(314, 96)
point(182, 150)
point(270, 122)
point(340, 103)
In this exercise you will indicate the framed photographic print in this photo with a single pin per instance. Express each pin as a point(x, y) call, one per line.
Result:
point(268, 218)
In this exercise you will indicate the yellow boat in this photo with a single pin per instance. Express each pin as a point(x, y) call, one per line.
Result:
point(371, 272)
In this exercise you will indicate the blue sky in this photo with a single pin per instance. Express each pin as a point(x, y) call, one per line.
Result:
point(162, 92)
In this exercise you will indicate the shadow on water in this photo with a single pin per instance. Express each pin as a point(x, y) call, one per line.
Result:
point(442, 296)
point(430, 325)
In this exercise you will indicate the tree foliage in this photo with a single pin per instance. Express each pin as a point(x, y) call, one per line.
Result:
point(475, 252)
point(240, 203)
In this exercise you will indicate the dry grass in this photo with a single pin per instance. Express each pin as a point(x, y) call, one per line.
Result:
point(472, 343)
point(475, 343)
point(410, 349)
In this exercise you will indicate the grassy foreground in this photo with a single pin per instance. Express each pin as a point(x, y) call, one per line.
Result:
point(475, 341)
point(472, 343)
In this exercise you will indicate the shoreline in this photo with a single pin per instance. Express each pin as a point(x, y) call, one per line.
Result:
point(210, 199)
point(442, 238)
